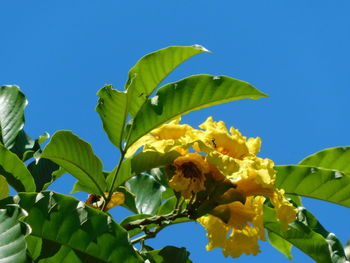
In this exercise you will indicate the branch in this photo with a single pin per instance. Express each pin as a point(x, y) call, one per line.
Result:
point(158, 220)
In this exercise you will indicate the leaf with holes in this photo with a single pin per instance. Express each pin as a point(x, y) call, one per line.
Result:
point(307, 234)
point(323, 184)
point(152, 69)
point(337, 158)
point(12, 232)
point(77, 158)
point(15, 172)
point(12, 104)
point(186, 95)
point(66, 222)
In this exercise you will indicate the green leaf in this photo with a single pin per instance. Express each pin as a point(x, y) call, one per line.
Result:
point(15, 172)
point(66, 221)
point(123, 175)
point(145, 161)
point(12, 242)
point(12, 104)
point(323, 184)
point(186, 95)
point(112, 108)
point(152, 69)
point(77, 158)
point(132, 218)
point(4, 188)
point(42, 172)
point(337, 158)
point(64, 254)
point(148, 192)
point(307, 234)
point(169, 254)
point(24, 146)
point(142, 162)
point(280, 244)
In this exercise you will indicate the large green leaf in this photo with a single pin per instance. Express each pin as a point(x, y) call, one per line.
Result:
point(112, 108)
point(24, 146)
point(169, 254)
point(65, 221)
point(12, 232)
point(42, 172)
point(4, 187)
point(323, 184)
point(280, 244)
point(12, 104)
point(145, 161)
point(186, 95)
point(307, 234)
point(151, 70)
point(15, 172)
point(77, 158)
point(148, 192)
point(337, 158)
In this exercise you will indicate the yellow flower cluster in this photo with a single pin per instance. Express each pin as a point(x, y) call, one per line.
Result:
point(222, 154)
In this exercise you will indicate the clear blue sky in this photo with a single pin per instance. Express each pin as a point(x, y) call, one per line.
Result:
point(61, 52)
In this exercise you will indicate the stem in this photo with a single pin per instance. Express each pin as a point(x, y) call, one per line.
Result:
point(111, 189)
point(154, 220)
point(149, 234)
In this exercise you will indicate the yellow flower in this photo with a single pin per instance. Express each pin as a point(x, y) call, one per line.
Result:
point(169, 136)
point(217, 138)
point(189, 177)
point(236, 227)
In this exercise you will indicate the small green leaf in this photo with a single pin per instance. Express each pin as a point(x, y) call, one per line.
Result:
point(186, 95)
point(337, 158)
point(323, 184)
point(307, 234)
point(77, 158)
point(148, 192)
point(12, 242)
point(152, 69)
point(42, 172)
point(280, 244)
point(15, 172)
point(112, 108)
point(169, 254)
point(4, 188)
point(12, 104)
point(61, 223)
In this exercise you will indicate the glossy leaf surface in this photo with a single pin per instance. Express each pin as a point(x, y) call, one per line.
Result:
point(12, 232)
point(12, 104)
point(307, 234)
point(66, 221)
point(77, 158)
point(323, 184)
point(15, 172)
point(148, 192)
point(186, 95)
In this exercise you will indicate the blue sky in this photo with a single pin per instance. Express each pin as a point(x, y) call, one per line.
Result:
point(61, 52)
